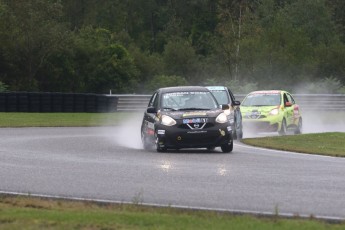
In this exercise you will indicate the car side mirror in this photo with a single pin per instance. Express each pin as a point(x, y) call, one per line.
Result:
point(288, 104)
point(151, 110)
point(225, 107)
point(236, 103)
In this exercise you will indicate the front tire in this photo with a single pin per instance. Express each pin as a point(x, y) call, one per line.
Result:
point(228, 147)
point(298, 129)
point(283, 128)
point(146, 144)
point(239, 133)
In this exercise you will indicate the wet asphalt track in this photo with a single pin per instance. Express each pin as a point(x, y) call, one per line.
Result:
point(98, 163)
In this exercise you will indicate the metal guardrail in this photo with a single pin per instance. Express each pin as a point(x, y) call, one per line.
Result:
point(322, 102)
point(70, 102)
point(131, 102)
point(307, 102)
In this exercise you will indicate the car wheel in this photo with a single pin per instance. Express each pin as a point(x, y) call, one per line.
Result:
point(298, 129)
point(235, 130)
point(240, 133)
point(234, 133)
point(158, 148)
point(282, 130)
point(227, 148)
point(146, 144)
point(147, 141)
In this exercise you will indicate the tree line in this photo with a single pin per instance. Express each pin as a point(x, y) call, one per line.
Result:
point(136, 46)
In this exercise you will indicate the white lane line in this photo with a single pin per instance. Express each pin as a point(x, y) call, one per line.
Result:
point(233, 211)
point(288, 152)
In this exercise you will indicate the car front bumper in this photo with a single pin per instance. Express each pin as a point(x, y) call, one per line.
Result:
point(172, 137)
point(268, 124)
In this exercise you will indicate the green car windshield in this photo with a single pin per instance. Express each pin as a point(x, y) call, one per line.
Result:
point(261, 100)
point(188, 101)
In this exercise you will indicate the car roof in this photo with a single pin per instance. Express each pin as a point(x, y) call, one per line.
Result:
point(267, 92)
point(182, 89)
point(216, 87)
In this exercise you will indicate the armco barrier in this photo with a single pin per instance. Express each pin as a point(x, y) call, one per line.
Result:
point(131, 102)
point(307, 102)
point(321, 102)
point(69, 102)
point(56, 102)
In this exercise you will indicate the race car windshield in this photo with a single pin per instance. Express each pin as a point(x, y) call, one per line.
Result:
point(188, 101)
point(221, 96)
point(261, 100)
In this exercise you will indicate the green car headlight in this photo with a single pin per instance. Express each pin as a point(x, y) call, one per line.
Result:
point(274, 112)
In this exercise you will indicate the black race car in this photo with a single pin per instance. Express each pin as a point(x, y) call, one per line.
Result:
point(185, 117)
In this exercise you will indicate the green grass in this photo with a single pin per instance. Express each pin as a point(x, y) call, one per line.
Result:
point(331, 144)
point(36, 213)
point(61, 119)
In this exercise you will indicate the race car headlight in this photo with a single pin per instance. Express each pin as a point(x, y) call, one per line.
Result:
point(168, 121)
point(222, 118)
point(227, 112)
point(274, 112)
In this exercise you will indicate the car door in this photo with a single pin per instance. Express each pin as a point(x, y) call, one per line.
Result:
point(236, 107)
point(295, 109)
point(289, 109)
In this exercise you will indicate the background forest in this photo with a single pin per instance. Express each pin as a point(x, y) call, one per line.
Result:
point(136, 46)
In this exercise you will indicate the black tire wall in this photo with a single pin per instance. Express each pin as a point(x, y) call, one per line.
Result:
point(47, 102)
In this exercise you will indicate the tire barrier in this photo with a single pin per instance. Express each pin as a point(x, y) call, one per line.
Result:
point(23, 102)
point(47, 102)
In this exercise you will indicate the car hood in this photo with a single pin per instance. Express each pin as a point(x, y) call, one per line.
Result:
point(261, 109)
point(192, 113)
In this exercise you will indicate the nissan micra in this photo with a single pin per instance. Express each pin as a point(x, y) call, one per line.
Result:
point(185, 117)
point(271, 111)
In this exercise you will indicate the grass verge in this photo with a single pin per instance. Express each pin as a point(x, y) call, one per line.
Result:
point(331, 144)
point(17, 212)
point(61, 119)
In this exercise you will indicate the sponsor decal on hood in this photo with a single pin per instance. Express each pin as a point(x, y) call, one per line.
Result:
point(194, 114)
point(191, 114)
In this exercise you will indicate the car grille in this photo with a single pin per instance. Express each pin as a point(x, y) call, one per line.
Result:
point(196, 126)
point(254, 116)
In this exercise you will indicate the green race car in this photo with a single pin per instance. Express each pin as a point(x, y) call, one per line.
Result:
point(271, 111)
